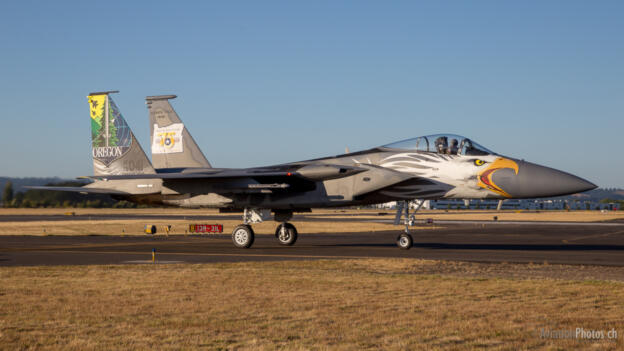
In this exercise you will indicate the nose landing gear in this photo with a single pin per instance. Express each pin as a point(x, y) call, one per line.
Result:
point(405, 240)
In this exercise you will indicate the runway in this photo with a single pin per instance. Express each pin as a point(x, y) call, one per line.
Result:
point(579, 243)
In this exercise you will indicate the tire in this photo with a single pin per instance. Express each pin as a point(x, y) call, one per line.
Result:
point(405, 241)
point(290, 236)
point(243, 236)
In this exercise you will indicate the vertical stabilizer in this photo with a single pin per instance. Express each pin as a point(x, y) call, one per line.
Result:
point(114, 148)
point(172, 144)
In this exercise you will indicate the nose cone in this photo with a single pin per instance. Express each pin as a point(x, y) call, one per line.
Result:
point(538, 181)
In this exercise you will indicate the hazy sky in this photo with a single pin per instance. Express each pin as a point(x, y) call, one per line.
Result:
point(263, 82)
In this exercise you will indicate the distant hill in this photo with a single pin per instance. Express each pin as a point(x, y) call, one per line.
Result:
point(42, 198)
point(597, 195)
point(19, 183)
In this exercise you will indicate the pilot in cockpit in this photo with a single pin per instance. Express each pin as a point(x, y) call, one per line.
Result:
point(453, 149)
point(441, 144)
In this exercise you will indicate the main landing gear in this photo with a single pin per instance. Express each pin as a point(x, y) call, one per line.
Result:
point(286, 234)
point(243, 235)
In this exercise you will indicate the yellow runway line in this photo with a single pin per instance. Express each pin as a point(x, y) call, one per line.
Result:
point(82, 246)
point(196, 254)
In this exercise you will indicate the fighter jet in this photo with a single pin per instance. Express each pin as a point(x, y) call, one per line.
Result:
point(427, 167)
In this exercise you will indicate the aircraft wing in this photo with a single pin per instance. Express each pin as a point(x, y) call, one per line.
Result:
point(311, 172)
point(79, 189)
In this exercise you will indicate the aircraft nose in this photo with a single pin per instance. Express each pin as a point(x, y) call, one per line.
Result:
point(534, 180)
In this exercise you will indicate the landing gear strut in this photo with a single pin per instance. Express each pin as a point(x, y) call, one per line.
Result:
point(243, 236)
point(405, 240)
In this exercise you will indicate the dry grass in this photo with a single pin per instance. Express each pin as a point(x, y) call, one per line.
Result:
point(345, 305)
point(326, 224)
point(74, 226)
point(135, 227)
point(487, 215)
point(555, 216)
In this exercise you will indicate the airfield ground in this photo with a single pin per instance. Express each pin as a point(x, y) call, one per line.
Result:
point(484, 285)
point(59, 221)
point(339, 304)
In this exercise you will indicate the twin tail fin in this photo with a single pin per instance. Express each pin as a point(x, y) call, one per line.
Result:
point(172, 144)
point(114, 148)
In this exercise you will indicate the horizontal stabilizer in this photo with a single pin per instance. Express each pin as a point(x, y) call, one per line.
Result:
point(79, 189)
point(198, 175)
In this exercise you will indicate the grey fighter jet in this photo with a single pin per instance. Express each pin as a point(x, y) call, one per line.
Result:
point(426, 167)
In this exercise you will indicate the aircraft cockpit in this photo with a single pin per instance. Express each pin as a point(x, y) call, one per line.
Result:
point(448, 144)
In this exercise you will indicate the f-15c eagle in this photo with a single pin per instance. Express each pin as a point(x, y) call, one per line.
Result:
point(427, 167)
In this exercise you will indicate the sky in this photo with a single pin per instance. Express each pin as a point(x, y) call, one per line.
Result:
point(268, 82)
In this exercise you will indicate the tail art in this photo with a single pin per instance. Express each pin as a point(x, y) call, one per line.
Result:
point(172, 144)
point(115, 149)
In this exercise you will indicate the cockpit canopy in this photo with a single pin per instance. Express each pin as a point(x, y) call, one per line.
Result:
point(449, 144)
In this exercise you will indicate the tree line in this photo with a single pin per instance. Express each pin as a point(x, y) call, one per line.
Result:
point(44, 198)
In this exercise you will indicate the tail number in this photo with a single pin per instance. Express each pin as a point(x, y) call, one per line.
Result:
point(133, 166)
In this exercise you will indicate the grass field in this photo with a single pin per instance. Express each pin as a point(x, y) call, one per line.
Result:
point(392, 304)
point(136, 227)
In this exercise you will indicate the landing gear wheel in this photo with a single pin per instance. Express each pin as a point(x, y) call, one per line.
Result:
point(405, 241)
point(287, 236)
point(243, 236)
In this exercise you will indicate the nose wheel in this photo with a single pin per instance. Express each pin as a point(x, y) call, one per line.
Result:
point(286, 234)
point(405, 241)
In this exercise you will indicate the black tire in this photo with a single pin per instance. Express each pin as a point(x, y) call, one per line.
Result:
point(243, 236)
point(405, 241)
point(290, 236)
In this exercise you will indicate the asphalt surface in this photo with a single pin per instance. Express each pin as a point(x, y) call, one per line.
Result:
point(567, 243)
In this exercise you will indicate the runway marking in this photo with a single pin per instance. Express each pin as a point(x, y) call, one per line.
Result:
point(105, 245)
point(151, 262)
point(194, 254)
point(594, 236)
